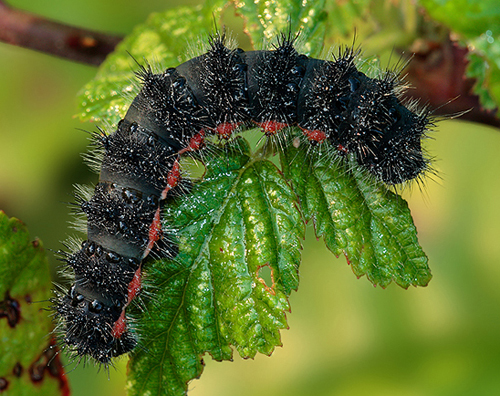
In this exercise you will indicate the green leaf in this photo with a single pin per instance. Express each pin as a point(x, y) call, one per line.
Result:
point(470, 18)
point(24, 325)
point(241, 219)
point(357, 216)
point(477, 24)
point(484, 66)
point(267, 19)
point(478, 69)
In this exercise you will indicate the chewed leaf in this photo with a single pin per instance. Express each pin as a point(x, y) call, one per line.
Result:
point(240, 220)
point(357, 217)
point(27, 363)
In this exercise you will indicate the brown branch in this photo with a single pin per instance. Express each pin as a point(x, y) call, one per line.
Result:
point(31, 31)
point(437, 73)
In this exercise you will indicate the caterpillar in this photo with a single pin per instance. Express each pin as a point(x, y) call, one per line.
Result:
point(224, 90)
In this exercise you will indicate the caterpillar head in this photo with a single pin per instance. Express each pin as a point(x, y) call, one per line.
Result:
point(93, 326)
point(92, 311)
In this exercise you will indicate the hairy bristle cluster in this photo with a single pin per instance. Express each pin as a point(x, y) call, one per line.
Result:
point(216, 93)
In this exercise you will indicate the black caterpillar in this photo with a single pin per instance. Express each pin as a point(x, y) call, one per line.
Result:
point(216, 93)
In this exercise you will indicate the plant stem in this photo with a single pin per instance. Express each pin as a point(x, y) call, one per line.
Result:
point(27, 30)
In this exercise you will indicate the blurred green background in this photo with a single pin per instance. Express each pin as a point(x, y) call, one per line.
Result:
point(346, 337)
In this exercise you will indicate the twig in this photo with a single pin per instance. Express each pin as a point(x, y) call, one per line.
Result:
point(437, 73)
point(34, 32)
